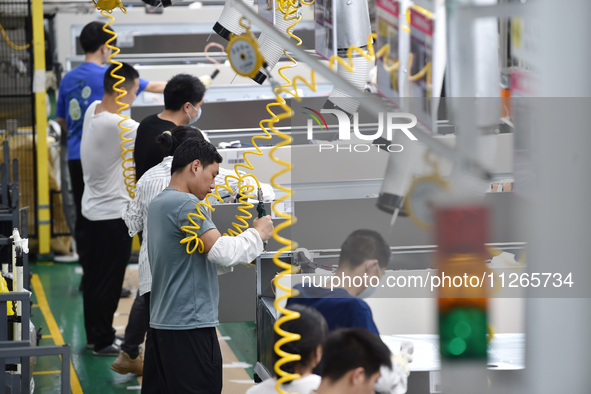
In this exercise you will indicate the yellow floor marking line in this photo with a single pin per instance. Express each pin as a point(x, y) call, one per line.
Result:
point(46, 372)
point(54, 328)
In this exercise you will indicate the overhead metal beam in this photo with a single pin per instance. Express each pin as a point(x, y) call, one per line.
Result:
point(371, 103)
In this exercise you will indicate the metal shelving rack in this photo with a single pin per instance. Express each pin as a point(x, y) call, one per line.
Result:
point(16, 345)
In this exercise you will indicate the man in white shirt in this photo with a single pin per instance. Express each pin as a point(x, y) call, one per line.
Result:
point(105, 194)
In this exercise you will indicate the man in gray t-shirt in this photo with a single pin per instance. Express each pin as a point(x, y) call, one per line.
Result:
point(185, 293)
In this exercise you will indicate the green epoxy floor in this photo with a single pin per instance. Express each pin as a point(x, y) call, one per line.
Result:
point(60, 284)
point(243, 342)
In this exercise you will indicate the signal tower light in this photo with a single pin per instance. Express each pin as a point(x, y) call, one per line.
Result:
point(461, 233)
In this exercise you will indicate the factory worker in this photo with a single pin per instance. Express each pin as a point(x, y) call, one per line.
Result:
point(185, 290)
point(183, 97)
point(106, 241)
point(365, 253)
point(79, 88)
point(351, 362)
point(312, 328)
point(135, 215)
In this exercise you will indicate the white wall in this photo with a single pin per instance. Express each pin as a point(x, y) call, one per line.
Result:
point(419, 315)
point(406, 315)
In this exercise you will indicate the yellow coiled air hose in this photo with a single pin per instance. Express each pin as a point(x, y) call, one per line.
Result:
point(245, 190)
point(289, 8)
point(128, 164)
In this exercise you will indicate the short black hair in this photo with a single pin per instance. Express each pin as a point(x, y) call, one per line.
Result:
point(93, 36)
point(194, 149)
point(126, 71)
point(347, 349)
point(183, 88)
point(171, 139)
point(312, 328)
point(363, 245)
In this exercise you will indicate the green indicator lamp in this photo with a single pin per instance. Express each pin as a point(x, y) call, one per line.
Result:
point(463, 333)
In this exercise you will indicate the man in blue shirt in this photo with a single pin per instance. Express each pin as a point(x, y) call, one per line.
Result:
point(363, 260)
point(79, 88)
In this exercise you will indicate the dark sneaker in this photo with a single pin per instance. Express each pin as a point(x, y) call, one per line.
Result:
point(125, 293)
point(111, 350)
point(125, 364)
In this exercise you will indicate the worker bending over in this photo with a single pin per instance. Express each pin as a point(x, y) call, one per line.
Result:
point(312, 329)
point(351, 362)
point(364, 253)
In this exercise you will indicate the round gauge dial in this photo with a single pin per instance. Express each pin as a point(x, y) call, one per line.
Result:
point(418, 203)
point(243, 56)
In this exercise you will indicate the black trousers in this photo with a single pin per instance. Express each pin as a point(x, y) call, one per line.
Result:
point(108, 248)
point(188, 361)
point(137, 325)
point(151, 380)
point(77, 180)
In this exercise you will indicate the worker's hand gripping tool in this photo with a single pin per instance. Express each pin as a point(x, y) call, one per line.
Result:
point(261, 210)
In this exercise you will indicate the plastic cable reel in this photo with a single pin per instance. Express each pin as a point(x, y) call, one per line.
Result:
point(418, 202)
point(109, 5)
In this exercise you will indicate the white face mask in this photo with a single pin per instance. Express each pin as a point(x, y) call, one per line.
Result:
point(196, 118)
point(369, 290)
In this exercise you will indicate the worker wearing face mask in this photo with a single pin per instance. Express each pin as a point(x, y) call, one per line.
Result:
point(363, 260)
point(183, 98)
